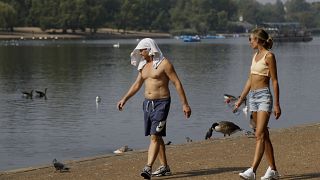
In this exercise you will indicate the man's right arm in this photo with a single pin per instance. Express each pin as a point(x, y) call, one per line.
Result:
point(132, 91)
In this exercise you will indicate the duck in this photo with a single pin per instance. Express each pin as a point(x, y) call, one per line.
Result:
point(27, 94)
point(59, 166)
point(225, 127)
point(42, 94)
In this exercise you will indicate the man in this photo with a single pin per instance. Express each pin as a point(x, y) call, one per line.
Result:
point(156, 72)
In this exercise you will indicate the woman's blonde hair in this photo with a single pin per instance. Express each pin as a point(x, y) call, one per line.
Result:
point(263, 37)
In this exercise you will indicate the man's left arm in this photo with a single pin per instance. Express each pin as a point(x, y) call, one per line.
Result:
point(171, 73)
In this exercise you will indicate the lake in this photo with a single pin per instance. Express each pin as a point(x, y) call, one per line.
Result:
point(69, 124)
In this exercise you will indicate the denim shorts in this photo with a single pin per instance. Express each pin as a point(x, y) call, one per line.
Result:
point(260, 100)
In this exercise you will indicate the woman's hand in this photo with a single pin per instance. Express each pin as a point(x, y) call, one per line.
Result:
point(277, 111)
point(237, 105)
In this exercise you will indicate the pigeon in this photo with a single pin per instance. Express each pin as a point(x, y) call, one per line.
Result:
point(60, 166)
point(42, 94)
point(225, 127)
point(230, 100)
point(188, 139)
point(209, 133)
point(27, 94)
point(122, 150)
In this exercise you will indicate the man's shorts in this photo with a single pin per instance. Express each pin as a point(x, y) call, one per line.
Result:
point(155, 115)
point(260, 100)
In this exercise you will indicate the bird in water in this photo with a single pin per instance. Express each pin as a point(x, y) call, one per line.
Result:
point(27, 94)
point(42, 94)
point(209, 134)
point(225, 127)
point(60, 166)
point(98, 99)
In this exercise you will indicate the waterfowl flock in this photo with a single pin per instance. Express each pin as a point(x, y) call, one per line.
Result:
point(39, 94)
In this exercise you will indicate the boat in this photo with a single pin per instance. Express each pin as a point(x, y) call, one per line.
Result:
point(287, 32)
point(187, 38)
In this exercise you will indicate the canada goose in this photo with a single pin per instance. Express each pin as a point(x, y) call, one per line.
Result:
point(225, 127)
point(27, 94)
point(42, 94)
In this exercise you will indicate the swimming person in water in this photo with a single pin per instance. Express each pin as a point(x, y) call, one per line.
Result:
point(155, 72)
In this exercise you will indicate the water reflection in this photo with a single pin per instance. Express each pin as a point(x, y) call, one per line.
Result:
point(69, 124)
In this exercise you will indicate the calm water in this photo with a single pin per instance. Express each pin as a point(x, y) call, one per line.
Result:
point(70, 125)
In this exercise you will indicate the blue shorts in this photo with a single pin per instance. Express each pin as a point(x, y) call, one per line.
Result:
point(260, 100)
point(155, 111)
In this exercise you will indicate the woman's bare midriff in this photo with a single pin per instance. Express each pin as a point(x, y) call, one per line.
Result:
point(259, 82)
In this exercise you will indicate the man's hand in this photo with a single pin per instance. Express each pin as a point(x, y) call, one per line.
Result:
point(186, 111)
point(120, 105)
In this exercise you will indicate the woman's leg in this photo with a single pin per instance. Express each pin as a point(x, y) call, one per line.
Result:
point(261, 118)
point(269, 152)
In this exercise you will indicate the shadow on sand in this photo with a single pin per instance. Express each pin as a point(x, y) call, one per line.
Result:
point(302, 176)
point(201, 172)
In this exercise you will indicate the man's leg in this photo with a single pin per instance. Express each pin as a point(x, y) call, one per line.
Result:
point(153, 149)
point(162, 153)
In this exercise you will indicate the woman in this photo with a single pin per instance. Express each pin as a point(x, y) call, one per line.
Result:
point(263, 69)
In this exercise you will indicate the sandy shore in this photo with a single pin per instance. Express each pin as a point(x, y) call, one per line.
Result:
point(102, 33)
point(297, 152)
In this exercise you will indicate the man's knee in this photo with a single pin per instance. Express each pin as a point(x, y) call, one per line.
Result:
point(155, 139)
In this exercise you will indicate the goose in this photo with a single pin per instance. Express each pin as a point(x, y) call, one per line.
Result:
point(225, 127)
point(42, 94)
point(27, 94)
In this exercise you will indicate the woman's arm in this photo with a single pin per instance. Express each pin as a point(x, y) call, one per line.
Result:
point(271, 61)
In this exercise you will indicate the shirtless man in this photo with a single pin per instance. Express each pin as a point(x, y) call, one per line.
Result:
point(156, 72)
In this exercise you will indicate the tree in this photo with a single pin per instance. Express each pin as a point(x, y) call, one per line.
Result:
point(8, 16)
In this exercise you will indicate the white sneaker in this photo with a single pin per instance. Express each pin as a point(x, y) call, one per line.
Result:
point(270, 174)
point(248, 174)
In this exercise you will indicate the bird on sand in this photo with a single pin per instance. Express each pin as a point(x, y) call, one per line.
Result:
point(188, 139)
point(27, 94)
point(209, 133)
point(60, 166)
point(252, 124)
point(122, 150)
point(42, 94)
point(225, 127)
point(168, 143)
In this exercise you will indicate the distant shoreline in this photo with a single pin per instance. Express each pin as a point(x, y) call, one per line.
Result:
point(35, 33)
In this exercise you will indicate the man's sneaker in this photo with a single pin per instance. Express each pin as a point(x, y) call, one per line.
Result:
point(270, 174)
point(162, 171)
point(160, 126)
point(248, 174)
point(146, 172)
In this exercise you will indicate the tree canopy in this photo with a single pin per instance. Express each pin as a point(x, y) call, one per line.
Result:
point(175, 16)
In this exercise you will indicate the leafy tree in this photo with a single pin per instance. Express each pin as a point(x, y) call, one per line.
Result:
point(7, 16)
